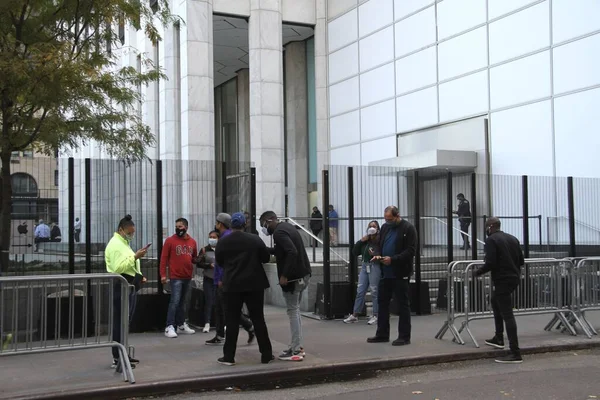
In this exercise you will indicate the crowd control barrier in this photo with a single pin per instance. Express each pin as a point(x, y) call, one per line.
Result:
point(43, 314)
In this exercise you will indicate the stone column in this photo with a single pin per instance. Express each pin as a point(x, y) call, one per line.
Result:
point(296, 129)
point(243, 117)
point(266, 104)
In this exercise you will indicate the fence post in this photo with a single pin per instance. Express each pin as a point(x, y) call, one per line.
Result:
point(417, 224)
point(571, 202)
point(224, 186)
point(88, 216)
point(352, 267)
point(474, 230)
point(326, 258)
point(449, 219)
point(71, 214)
point(159, 222)
point(525, 216)
point(253, 196)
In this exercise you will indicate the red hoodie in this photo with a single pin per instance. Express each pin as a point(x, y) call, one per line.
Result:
point(178, 253)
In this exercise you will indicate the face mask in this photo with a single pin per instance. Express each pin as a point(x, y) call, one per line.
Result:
point(180, 232)
point(390, 223)
point(129, 237)
point(371, 231)
point(212, 242)
point(488, 231)
point(265, 231)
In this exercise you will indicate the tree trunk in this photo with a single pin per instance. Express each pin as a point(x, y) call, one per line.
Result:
point(5, 210)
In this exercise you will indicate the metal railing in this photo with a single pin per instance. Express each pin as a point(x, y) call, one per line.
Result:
point(314, 237)
point(73, 312)
point(587, 289)
point(555, 228)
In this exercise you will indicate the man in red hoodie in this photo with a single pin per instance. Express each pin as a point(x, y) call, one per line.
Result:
point(178, 254)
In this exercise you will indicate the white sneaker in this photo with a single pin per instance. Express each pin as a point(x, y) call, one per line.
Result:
point(350, 319)
point(372, 320)
point(206, 328)
point(184, 328)
point(170, 332)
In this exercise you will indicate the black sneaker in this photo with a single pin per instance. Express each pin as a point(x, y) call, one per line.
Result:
point(115, 363)
point(378, 339)
point(496, 342)
point(267, 360)
point(289, 355)
point(400, 342)
point(224, 361)
point(216, 341)
point(251, 336)
point(510, 359)
point(133, 360)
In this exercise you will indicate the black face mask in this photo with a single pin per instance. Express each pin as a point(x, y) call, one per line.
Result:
point(180, 232)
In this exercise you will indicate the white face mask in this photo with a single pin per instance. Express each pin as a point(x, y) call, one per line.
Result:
point(212, 242)
point(371, 231)
point(265, 231)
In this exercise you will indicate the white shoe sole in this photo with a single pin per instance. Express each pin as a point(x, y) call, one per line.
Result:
point(494, 345)
point(351, 321)
point(509, 362)
point(229, 364)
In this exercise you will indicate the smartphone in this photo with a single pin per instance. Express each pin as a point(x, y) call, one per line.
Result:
point(147, 246)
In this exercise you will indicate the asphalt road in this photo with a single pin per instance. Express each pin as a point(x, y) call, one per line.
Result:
point(553, 376)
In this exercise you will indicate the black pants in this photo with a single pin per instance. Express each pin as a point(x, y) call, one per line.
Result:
point(221, 312)
point(464, 227)
point(76, 235)
point(503, 313)
point(255, 303)
point(399, 289)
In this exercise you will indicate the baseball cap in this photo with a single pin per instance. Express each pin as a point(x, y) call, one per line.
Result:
point(238, 220)
point(225, 219)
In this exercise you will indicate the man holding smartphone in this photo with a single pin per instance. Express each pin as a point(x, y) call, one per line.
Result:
point(178, 254)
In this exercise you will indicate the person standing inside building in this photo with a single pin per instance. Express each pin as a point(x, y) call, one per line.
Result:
point(398, 243)
point(223, 226)
point(464, 218)
point(242, 255)
point(207, 264)
point(333, 226)
point(77, 230)
point(120, 259)
point(179, 252)
point(504, 258)
point(370, 273)
point(316, 223)
point(293, 269)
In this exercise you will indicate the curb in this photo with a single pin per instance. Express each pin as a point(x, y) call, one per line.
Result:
point(216, 382)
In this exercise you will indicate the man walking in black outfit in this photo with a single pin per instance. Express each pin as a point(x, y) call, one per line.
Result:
point(397, 242)
point(241, 256)
point(464, 218)
point(504, 258)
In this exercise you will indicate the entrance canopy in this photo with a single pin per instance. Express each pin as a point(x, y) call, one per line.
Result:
point(432, 162)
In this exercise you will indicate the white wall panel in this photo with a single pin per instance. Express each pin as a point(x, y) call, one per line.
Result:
point(577, 64)
point(402, 8)
point(343, 63)
point(378, 120)
point(349, 155)
point(463, 54)
point(338, 7)
point(343, 30)
point(455, 16)
point(496, 8)
point(345, 129)
point(577, 140)
point(416, 110)
point(374, 15)
point(377, 85)
point(416, 71)
point(572, 18)
point(378, 150)
point(520, 81)
point(415, 32)
point(377, 49)
point(520, 33)
point(463, 97)
point(515, 133)
point(343, 96)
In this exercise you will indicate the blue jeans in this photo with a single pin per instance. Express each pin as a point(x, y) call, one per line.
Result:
point(366, 280)
point(179, 292)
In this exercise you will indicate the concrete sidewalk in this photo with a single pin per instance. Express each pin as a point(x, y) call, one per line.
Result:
point(185, 363)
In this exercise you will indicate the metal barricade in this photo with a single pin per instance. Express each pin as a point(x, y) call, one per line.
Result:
point(587, 289)
point(43, 314)
point(544, 289)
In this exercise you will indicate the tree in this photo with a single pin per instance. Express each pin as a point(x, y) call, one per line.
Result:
point(60, 86)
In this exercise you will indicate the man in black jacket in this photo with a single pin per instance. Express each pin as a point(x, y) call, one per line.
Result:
point(241, 256)
point(504, 258)
point(397, 243)
point(464, 218)
point(293, 268)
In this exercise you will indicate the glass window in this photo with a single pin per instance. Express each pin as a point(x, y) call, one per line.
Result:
point(23, 185)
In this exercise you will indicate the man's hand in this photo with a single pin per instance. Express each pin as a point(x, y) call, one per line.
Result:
point(163, 280)
point(212, 266)
point(140, 253)
point(283, 281)
point(144, 280)
point(386, 260)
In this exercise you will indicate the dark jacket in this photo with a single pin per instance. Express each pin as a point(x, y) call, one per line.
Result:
point(503, 256)
point(207, 257)
point(367, 249)
point(464, 212)
point(406, 246)
point(316, 222)
point(241, 255)
point(292, 260)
